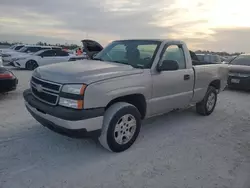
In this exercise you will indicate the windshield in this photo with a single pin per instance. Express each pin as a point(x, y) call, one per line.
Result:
point(12, 47)
point(22, 49)
point(18, 47)
point(137, 53)
point(241, 60)
point(30, 49)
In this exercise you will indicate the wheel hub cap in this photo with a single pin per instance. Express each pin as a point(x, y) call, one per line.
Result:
point(210, 101)
point(125, 129)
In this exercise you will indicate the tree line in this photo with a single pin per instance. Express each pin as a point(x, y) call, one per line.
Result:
point(68, 46)
point(74, 46)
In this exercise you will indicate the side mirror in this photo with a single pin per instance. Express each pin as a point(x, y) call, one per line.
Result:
point(168, 65)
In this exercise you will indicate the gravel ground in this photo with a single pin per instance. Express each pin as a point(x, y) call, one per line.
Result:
point(181, 149)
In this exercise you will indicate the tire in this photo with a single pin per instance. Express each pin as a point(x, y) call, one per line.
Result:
point(31, 65)
point(206, 106)
point(109, 138)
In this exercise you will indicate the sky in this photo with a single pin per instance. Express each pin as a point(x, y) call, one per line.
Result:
point(218, 25)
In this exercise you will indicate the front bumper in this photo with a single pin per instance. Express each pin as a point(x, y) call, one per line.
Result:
point(16, 64)
point(244, 82)
point(66, 121)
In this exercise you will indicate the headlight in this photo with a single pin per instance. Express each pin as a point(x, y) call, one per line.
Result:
point(6, 55)
point(71, 103)
point(73, 89)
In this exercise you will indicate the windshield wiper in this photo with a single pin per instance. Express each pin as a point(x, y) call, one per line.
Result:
point(119, 62)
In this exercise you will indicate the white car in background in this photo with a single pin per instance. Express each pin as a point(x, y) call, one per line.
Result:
point(41, 58)
point(26, 49)
point(11, 48)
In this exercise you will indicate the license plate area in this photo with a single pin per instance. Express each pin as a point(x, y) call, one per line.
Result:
point(235, 81)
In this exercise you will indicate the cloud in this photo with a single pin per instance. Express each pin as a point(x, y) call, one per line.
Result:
point(200, 23)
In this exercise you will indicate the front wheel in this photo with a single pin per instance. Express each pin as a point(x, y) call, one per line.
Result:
point(121, 126)
point(207, 105)
point(31, 65)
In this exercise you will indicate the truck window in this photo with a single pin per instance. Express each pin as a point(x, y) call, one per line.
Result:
point(175, 53)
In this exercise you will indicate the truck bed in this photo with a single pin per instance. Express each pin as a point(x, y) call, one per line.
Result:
point(204, 75)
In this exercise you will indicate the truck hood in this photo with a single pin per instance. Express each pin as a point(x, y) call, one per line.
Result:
point(84, 71)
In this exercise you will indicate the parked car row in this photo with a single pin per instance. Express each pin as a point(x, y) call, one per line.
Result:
point(10, 55)
point(12, 48)
point(40, 58)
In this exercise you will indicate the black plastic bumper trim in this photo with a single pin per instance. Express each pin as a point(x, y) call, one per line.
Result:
point(61, 112)
point(78, 133)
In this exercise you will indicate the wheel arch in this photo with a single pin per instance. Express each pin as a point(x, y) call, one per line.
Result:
point(138, 100)
point(216, 84)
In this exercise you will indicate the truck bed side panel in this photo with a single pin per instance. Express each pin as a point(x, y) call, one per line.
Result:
point(204, 75)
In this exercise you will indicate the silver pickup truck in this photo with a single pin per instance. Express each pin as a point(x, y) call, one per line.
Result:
point(128, 81)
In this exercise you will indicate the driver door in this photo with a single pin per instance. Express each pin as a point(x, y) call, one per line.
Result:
point(172, 89)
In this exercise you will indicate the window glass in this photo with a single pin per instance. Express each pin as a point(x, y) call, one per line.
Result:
point(32, 49)
point(45, 48)
point(217, 59)
point(48, 53)
point(61, 53)
point(175, 53)
point(56, 48)
point(241, 60)
point(137, 53)
point(19, 47)
point(207, 58)
point(201, 57)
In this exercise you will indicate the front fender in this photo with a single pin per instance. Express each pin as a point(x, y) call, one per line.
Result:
point(101, 93)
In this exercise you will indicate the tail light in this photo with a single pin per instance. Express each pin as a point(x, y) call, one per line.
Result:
point(6, 75)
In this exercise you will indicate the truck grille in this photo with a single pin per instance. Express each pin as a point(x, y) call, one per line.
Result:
point(45, 91)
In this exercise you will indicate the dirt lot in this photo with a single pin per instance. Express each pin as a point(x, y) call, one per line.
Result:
point(181, 149)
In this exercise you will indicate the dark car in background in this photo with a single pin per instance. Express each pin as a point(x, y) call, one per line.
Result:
point(91, 48)
point(239, 72)
point(8, 80)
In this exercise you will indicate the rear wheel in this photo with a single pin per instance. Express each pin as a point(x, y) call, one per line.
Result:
point(207, 105)
point(121, 126)
point(31, 65)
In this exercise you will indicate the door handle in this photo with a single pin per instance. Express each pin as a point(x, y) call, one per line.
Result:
point(186, 77)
